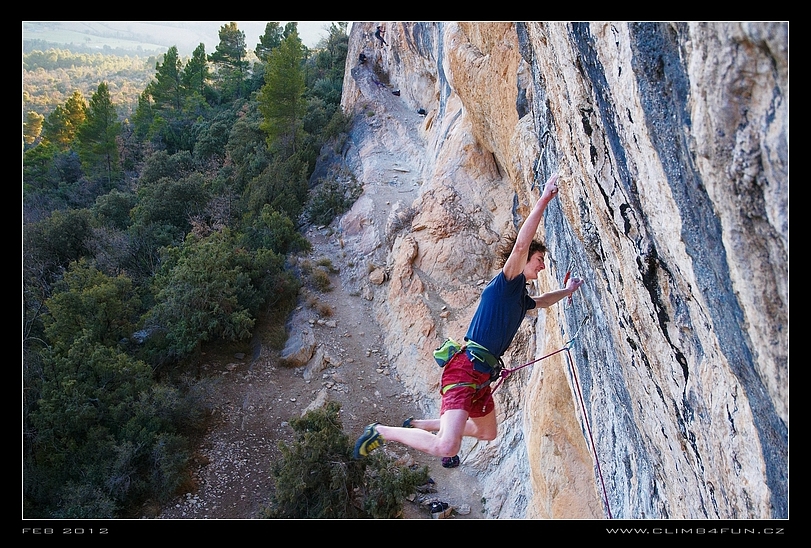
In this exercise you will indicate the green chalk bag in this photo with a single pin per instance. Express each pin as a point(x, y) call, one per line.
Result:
point(446, 351)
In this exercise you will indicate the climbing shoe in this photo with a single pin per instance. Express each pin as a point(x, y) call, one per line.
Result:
point(369, 441)
point(440, 510)
point(450, 462)
point(407, 422)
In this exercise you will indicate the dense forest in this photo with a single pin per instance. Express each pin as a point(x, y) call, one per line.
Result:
point(156, 223)
point(52, 75)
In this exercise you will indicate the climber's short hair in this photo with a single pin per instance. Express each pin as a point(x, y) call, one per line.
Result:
point(507, 243)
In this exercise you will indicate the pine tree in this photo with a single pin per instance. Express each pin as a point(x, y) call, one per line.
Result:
point(97, 136)
point(32, 127)
point(230, 60)
point(269, 41)
point(166, 89)
point(61, 125)
point(272, 39)
point(196, 74)
point(281, 99)
point(144, 115)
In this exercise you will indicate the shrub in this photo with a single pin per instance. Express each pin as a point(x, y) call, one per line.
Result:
point(210, 289)
point(331, 198)
point(320, 279)
point(387, 484)
point(326, 262)
point(318, 478)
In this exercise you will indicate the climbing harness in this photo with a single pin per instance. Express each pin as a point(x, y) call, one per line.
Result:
point(479, 356)
point(482, 359)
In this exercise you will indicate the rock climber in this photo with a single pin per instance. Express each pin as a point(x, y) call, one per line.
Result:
point(467, 406)
point(379, 35)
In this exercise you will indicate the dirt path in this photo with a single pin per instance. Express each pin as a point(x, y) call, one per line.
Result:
point(253, 399)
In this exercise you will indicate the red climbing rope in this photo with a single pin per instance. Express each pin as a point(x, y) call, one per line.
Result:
point(507, 372)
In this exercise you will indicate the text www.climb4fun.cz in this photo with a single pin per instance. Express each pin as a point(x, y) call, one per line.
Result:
point(695, 531)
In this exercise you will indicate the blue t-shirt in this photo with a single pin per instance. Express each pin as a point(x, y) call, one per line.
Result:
point(502, 307)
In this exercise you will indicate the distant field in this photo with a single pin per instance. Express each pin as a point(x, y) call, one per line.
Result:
point(156, 36)
point(61, 35)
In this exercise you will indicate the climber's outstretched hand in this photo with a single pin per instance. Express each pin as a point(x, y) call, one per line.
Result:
point(550, 189)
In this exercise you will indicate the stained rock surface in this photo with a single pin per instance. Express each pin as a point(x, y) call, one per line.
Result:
point(670, 399)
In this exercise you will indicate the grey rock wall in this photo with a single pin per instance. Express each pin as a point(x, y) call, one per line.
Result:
point(672, 143)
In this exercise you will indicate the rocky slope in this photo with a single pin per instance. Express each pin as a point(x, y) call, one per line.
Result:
point(672, 143)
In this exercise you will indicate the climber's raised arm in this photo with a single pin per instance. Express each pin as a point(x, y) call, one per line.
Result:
point(520, 254)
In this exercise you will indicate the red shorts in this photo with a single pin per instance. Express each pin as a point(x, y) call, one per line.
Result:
point(477, 403)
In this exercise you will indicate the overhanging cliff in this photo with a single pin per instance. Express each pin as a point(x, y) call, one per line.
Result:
point(672, 143)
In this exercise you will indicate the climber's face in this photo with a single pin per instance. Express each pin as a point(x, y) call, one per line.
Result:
point(534, 266)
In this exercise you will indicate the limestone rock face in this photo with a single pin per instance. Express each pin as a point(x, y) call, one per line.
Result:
point(670, 399)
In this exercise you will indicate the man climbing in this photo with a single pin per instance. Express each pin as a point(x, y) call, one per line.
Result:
point(467, 406)
point(379, 35)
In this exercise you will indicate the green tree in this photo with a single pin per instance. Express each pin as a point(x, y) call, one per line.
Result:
point(269, 41)
point(275, 231)
point(330, 60)
point(62, 125)
point(211, 140)
point(211, 133)
point(102, 437)
point(97, 136)
point(281, 99)
point(171, 203)
point(247, 149)
point(162, 164)
point(32, 127)
point(49, 246)
point(230, 59)
point(173, 101)
point(283, 185)
point(272, 38)
point(113, 209)
point(196, 74)
point(52, 244)
point(144, 116)
point(39, 169)
point(90, 304)
point(211, 288)
point(171, 106)
point(167, 87)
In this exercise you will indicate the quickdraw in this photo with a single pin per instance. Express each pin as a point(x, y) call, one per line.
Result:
point(566, 280)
